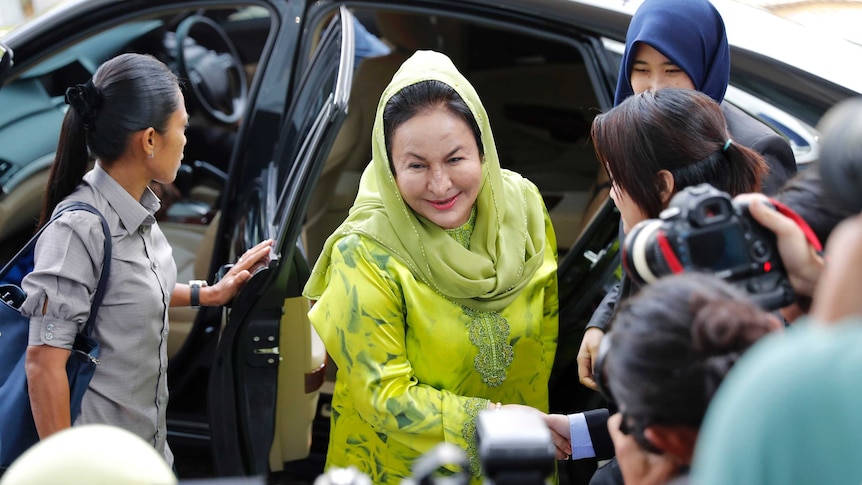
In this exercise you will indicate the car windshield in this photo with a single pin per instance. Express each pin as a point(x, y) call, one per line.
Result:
point(15, 13)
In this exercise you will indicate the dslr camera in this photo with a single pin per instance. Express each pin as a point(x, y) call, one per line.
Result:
point(704, 230)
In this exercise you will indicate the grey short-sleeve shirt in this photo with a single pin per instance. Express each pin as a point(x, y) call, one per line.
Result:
point(129, 388)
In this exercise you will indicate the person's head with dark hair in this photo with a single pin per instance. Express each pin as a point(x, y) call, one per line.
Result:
point(435, 151)
point(655, 144)
point(675, 43)
point(424, 97)
point(669, 348)
point(131, 94)
point(805, 195)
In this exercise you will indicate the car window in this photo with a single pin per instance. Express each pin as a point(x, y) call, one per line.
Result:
point(96, 49)
point(322, 93)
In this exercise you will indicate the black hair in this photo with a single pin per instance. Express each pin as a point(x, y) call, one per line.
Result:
point(128, 93)
point(682, 131)
point(674, 342)
point(805, 195)
point(422, 97)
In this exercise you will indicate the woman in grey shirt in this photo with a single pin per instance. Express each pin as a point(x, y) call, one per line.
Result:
point(131, 117)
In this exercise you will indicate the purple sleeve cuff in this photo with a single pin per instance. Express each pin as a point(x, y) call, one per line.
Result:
point(582, 444)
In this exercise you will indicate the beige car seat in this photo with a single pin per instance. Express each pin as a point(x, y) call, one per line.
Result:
point(192, 246)
point(600, 192)
point(337, 187)
point(19, 209)
point(540, 115)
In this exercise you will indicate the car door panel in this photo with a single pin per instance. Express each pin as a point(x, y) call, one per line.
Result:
point(268, 350)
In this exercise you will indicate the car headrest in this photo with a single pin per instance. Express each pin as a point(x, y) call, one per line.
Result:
point(409, 32)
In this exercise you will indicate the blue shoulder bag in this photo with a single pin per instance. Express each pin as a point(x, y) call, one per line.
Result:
point(17, 429)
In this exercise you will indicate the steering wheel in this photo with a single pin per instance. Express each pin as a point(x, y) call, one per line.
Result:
point(215, 73)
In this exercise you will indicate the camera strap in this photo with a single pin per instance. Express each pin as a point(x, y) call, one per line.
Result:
point(806, 229)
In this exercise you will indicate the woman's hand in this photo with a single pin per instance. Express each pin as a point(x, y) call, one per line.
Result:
point(638, 466)
point(587, 355)
point(229, 285)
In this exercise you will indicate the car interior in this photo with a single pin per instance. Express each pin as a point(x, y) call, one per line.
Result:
point(189, 215)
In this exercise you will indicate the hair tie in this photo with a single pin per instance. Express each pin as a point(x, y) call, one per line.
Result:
point(727, 145)
point(85, 99)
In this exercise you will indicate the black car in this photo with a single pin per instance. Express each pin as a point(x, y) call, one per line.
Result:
point(281, 102)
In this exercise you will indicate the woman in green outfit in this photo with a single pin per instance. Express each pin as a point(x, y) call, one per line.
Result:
point(437, 297)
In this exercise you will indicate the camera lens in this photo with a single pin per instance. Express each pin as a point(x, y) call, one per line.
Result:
point(642, 258)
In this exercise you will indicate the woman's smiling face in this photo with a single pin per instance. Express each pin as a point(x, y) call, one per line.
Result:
point(437, 166)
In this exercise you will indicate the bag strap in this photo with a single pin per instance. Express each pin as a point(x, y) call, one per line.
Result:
point(106, 260)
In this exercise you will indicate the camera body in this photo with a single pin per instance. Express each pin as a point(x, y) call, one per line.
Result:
point(704, 230)
point(515, 447)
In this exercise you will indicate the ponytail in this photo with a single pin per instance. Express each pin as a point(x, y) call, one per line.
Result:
point(747, 168)
point(682, 131)
point(70, 164)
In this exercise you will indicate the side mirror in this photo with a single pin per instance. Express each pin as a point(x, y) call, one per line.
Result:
point(5, 60)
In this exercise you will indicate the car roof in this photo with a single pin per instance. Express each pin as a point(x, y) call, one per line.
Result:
point(749, 28)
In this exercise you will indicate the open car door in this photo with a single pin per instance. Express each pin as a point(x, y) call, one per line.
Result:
point(269, 364)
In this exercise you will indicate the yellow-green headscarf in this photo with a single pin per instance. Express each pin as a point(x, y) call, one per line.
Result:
point(508, 240)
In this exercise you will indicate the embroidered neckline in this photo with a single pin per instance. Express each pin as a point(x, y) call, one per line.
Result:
point(464, 233)
point(489, 331)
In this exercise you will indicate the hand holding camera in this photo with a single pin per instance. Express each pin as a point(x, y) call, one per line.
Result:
point(801, 258)
point(704, 230)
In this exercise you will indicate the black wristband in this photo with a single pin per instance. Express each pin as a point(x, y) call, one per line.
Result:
point(195, 300)
point(195, 292)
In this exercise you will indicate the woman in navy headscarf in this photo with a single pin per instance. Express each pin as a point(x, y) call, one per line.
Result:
point(683, 43)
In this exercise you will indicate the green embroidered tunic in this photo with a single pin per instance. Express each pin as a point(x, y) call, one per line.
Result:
point(428, 326)
point(414, 368)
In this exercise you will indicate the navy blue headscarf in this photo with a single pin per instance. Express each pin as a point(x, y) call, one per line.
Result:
point(688, 32)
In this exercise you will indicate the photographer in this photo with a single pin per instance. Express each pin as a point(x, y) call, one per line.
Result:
point(585, 435)
point(806, 196)
point(793, 401)
point(653, 145)
point(808, 431)
point(670, 347)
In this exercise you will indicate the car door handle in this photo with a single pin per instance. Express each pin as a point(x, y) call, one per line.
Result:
point(273, 351)
point(594, 257)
